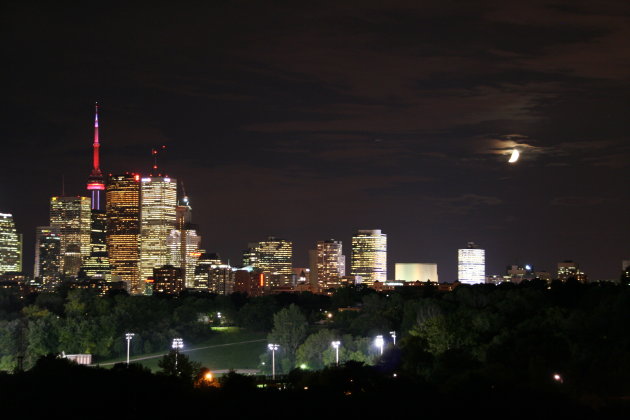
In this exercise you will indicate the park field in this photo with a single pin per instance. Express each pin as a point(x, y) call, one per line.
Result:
point(231, 348)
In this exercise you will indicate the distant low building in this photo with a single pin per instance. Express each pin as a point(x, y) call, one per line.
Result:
point(81, 359)
point(168, 280)
point(411, 272)
point(570, 270)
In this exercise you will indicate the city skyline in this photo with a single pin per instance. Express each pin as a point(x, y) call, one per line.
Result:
point(315, 122)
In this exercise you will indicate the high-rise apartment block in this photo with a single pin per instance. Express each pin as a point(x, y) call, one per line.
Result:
point(328, 264)
point(167, 280)
point(10, 245)
point(123, 229)
point(72, 218)
point(369, 256)
point(471, 264)
point(157, 220)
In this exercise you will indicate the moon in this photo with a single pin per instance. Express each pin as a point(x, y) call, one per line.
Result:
point(514, 156)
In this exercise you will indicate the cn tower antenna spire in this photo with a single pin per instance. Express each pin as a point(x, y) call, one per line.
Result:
point(96, 146)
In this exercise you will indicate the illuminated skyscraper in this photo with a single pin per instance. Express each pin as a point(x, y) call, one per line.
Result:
point(184, 242)
point(96, 265)
point(329, 264)
point(123, 229)
point(72, 217)
point(157, 220)
point(369, 256)
point(471, 264)
point(275, 258)
point(47, 255)
point(10, 245)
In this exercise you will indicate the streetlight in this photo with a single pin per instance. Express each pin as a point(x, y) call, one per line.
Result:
point(128, 336)
point(273, 348)
point(336, 344)
point(558, 378)
point(379, 342)
point(393, 334)
point(178, 343)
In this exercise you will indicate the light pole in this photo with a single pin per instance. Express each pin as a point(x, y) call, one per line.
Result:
point(178, 343)
point(379, 342)
point(273, 348)
point(336, 345)
point(128, 336)
point(393, 334)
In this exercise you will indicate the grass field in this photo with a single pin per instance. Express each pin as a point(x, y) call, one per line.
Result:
point(230, 348)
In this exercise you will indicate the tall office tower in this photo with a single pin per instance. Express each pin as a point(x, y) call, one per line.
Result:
point(369, 256)
point(71, 217)
point(570, 270)
point(330, 264)
point(123, 229)
point(157, 219)
point(10, 245)
point(184, 242)
point(422, 272)
point(471, 264)
point(96, 183)
point(47, 256)
point(274, 257)
point(96, 265)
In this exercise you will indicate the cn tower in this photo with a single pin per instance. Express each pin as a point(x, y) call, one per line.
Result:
point(96, 183)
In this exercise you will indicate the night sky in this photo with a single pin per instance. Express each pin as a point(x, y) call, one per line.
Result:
point(310, 120)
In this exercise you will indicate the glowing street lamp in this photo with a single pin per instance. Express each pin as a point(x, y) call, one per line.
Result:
point(379, 342)
point(558, 378)
point(393, 334)
point(273, 348)
point(336, 345)
point(178, 344)
point(128, 336)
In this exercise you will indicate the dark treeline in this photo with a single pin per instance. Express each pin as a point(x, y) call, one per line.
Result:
point(561, 344)
point(81, 321)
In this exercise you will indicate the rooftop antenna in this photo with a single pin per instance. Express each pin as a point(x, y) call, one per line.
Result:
point(155, 152)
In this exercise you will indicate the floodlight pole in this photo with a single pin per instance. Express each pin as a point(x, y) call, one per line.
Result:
point(273, 348)
point(128, 336)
